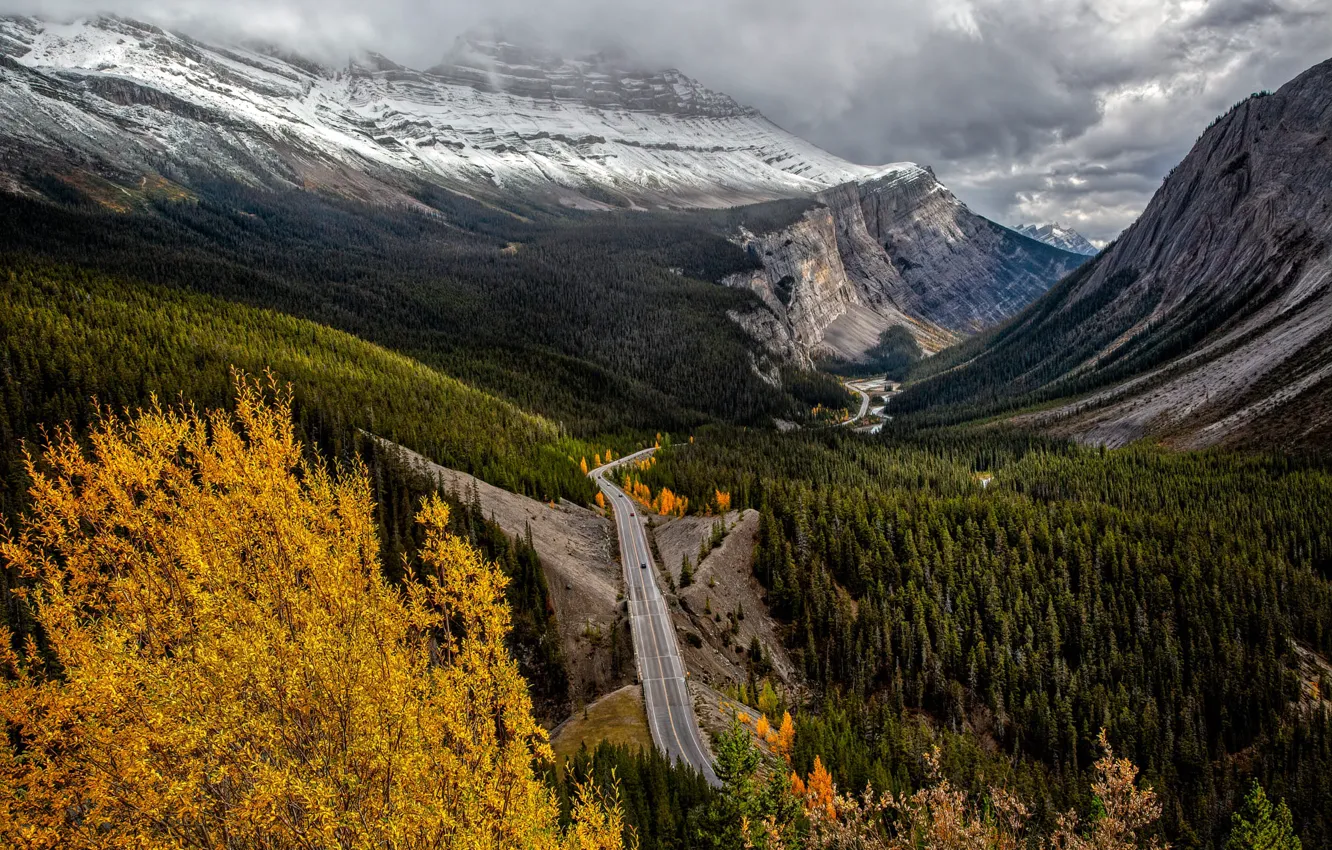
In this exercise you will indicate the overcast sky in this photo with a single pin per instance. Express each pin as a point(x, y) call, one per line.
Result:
point(1030, 110)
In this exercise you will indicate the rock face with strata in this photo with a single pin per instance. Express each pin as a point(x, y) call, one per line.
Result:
point(961, 270)
point(897, 249)
point(1210, 320)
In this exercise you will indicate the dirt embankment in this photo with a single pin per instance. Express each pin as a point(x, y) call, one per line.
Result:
point(724, 606)
point(578, 550)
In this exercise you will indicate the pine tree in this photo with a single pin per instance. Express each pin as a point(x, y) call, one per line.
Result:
point(1258, 825)
point(686, 571)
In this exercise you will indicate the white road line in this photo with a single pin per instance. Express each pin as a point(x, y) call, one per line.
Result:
point(648, 611)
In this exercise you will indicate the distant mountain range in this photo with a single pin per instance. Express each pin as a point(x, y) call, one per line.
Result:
point(1209, 321)
point(1060, 237)
point(127, 102)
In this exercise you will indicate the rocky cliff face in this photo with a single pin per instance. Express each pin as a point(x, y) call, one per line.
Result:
point(1210, 320)
point(817, 293)
point(963, 271)
point(898, 249)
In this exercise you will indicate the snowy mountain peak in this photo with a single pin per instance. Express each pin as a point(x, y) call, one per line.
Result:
point(492, 116)
point(604, 81)
point(1059, 236)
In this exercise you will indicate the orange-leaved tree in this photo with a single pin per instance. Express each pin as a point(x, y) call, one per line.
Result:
point(222, 663)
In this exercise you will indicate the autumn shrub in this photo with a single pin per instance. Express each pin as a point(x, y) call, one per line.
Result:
point(942, 817)
point(222, 665)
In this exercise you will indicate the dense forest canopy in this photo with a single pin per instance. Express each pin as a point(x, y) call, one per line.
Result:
point(1028, 593)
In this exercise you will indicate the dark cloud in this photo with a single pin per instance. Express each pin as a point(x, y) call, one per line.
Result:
point(1029, 109)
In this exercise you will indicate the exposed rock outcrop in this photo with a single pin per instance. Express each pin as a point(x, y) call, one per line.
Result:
point(898, 249)
point(827, 306)
point(958, 270)
point(1210, 320)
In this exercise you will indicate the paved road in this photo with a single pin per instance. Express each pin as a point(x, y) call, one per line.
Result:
point(660, 668)
point(864, 404)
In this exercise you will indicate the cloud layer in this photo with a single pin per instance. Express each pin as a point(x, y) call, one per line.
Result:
point(1031, 110)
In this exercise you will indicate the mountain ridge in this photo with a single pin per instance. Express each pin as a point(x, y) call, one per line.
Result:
point(1060, 237)
point(648, 139)
point(129, 101)
point(1207, 322)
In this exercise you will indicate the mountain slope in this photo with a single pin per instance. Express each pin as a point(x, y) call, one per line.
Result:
point(107, 99)
point(494, 118)
point(1060, 237)
point(896, 250)
point(68, 335)
point(1209, 320)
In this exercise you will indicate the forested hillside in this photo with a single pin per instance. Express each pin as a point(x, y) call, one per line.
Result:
point(1026, 592)
point(68, 337)
point(602, 323)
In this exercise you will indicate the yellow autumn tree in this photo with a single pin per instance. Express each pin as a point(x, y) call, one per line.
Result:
point(582, 464)
point(223, 664)
point(601, 500)
point(821, 796)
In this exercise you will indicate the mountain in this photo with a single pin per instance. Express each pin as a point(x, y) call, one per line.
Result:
point(108, 99)
point(1061, 237)
point(493, 116)
point(896, 250)
point(1209, 321)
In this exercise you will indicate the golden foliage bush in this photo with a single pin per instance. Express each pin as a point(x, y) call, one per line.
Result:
point(940, 817)
point(223, 665)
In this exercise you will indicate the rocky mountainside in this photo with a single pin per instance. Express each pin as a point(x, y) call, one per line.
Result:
point(897, 250)
point(133, 105)
point(1060, 237)
point(1210, 320)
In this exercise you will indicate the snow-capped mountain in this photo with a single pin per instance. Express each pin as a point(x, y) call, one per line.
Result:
point(128, 102)
point(491, 116)
point(1059, 236)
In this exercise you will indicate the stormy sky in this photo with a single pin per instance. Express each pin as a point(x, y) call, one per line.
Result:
point(1030, 110)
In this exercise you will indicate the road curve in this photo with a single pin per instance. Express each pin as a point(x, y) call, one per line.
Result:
point(864, 404)
point(661, 669)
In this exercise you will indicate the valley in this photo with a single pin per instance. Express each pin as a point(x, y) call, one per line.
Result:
point(545, 449)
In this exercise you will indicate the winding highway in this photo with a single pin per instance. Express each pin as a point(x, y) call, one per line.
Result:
point(864, 404)
point(661, 669)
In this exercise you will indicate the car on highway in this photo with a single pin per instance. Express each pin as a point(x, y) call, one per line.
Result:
point(643, 566)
